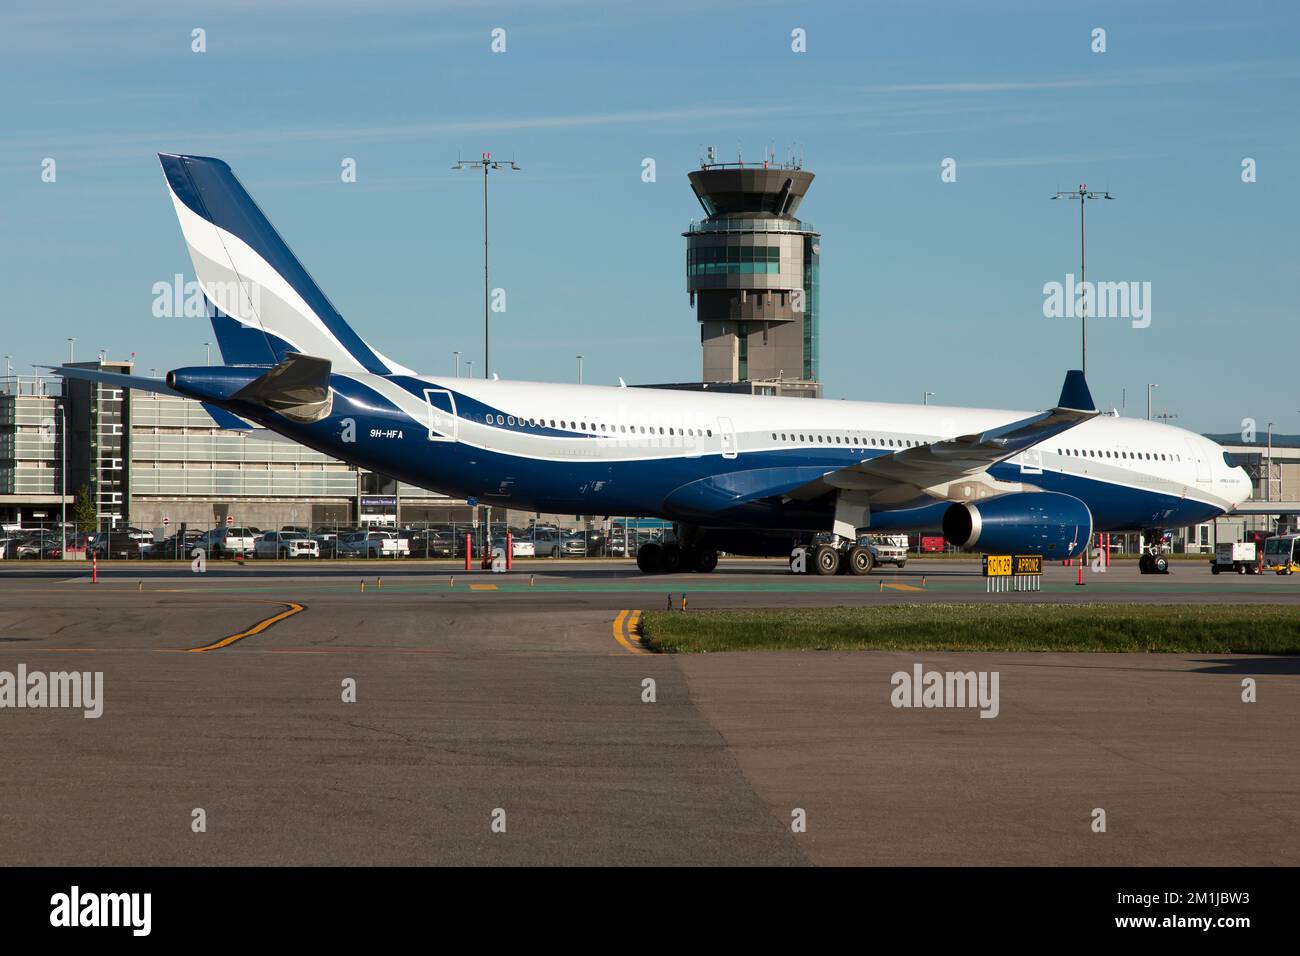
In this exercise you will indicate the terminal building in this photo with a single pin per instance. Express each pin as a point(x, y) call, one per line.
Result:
point(146, 457)
point(752, 273)
point(31, 451)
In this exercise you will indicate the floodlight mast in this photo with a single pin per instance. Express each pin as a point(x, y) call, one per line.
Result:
point(1083, 194)
point(487, 164)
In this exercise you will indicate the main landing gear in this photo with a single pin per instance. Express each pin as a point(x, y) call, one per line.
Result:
point(671, 558)
point(829, 558)
point(1153, 560)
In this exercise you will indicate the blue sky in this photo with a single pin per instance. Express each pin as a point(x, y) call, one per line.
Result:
point(926, 285)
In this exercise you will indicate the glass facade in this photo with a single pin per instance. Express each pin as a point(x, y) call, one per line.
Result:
point(177, 450)
point(811, 282)
point(29, 445)
point(733, 260)
point(108, 472)
point(743, 361)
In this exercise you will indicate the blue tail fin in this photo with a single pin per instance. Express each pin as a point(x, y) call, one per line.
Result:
point(263, 303)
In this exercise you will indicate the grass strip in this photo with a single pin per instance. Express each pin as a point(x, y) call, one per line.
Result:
point(1133, 628)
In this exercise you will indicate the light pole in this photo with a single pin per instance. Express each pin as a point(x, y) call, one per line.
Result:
point(926, 399)
point(487, 164)
point(1268, 472)
point(457, 354)
point(63, 477)
point(579, 369)
point(1083, 195)
point(71, 343)
point(207, 353)
point(469, 369)
point(1149, 387)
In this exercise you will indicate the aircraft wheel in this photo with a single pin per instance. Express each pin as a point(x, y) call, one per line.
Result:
point(706, 560)
point(826, 559)
point(1144, 563)
point(648, 558)
point(1160, 565)
point(1214, 569)
point(860, 560)
point(670, 559)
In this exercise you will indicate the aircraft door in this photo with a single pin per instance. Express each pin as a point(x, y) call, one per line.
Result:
point(728, 432)
point(442, 422)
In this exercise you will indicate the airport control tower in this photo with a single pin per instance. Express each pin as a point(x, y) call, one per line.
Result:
point(751, 271)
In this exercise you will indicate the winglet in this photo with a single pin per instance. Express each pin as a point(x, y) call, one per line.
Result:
point(1075, 394)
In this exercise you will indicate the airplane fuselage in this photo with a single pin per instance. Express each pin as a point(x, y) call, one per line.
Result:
point(707, 458)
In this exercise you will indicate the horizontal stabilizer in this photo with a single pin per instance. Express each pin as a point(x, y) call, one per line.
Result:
point(114, 379)
point(223, 418)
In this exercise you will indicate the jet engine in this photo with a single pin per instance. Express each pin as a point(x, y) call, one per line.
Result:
point(1046, 522)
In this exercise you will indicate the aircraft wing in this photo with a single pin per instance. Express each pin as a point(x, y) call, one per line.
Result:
point(902, 476)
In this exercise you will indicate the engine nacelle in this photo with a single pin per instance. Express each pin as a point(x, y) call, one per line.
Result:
point(1045, 522)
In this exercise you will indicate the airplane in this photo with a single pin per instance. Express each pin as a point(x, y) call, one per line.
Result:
point(745, 474)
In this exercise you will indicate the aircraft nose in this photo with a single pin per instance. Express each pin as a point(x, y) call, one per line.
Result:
point(1243, 486)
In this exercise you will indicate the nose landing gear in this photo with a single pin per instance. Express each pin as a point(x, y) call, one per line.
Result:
point(1153, 560)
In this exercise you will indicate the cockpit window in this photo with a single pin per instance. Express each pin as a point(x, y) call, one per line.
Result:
point(1229, 460)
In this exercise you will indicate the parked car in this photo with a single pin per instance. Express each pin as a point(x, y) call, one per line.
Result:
point(434, 544)
point(35, 544)
point(519, 547)
point(373, 544)
point(576, 544)
point(120, 544)
point(327, 540)
point(52, 546)
point(224, 542)
point(178, 546)
point(547, 543)
point(286, 544)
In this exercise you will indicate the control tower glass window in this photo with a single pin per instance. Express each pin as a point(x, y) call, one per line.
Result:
point(733, 260)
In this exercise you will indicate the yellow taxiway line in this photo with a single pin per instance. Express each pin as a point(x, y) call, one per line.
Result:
point(625, 629)
point(290, 610)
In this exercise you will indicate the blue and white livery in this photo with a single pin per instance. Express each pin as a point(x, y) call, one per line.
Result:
point(748, 474)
